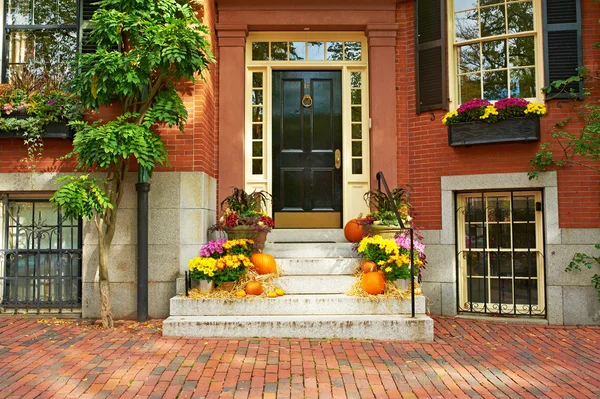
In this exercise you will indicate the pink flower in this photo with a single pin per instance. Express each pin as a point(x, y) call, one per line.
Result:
point(473, 104)
point(511, 102)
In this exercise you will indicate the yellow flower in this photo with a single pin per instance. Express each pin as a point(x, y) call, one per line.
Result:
point(489, 110)
point(536, 109)
point(449, 115)
point(388, 269)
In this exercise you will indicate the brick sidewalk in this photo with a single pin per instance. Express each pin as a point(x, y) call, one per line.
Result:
point(55, 358)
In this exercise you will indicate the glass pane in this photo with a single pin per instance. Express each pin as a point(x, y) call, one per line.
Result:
point(356, 114)
point(522, 83)
point(498, 209)
point(499, 235)
point(257, 132)
point(297, 51)
point(501, 292)
point(502, 261)
point(257, 114)
point(257, 97)
point(493, 21)
point(475, 235)
point(520, 17)
point(260, 51)
point(279, 51)
point(495, 85)
point(316, 51)
point(524, 235)
point(494, 54)
point(475, 263)
point(334, 51)
point(476, 290)
point(521, 51)
point(526, 292)
point(257, 79)
point(489, 2)
point(257, 167)
point(460, 5)
point(355, 79)
point(470, 87)
point(257, 148)
point(469, 58)
point(525, 264)
point(357, 148)
point(524, 209)
point(357, 166)
point(355, 95)
point(466, 26)
point(41, 12)
point(474, 210)
point(357, 131)
point(352, 51)
point(52, 51)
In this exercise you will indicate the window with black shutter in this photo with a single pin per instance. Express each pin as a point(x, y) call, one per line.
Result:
point(88, 8)
point(430, 22)
point(562, 40)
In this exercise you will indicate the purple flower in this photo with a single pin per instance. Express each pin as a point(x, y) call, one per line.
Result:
point(404, 242)
point(511, 102)
point(213, 248)
point(51, 102)
point(473, 104)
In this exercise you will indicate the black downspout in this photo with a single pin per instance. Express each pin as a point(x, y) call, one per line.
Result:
point(142, 188)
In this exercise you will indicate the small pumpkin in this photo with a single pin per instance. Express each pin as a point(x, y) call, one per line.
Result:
point(272, 294)
point(353, 231)
point(254, 288)
point(264, 263)
point(279, 291)
point(373, 283)
point(368, 266)
point(240, 293)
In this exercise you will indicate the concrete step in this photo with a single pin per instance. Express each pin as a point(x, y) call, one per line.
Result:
point(304, 266)
point(306, 235)
point(310, 250)
point(390, 327)
point(315, 284)
point(294, 305)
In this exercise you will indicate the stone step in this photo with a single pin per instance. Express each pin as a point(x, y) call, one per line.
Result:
point(315, 284)
point(306, 235)
point(304, 266)
point(382, 327)
point(294, 305)
point(310, 250)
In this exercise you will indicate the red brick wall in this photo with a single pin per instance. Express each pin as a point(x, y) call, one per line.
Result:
point(424, 155)
point(193, 151)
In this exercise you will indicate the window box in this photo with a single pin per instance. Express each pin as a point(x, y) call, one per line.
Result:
point(53, 130)
point(504, 131)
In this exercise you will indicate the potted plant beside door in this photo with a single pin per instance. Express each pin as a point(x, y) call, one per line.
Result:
point(383, 221)
point(244, 217)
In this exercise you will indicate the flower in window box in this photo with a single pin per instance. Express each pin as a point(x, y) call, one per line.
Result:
point(482, 110)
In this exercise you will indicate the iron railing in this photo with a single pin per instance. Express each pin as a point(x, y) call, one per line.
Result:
point(40, 260)
point(411, 232)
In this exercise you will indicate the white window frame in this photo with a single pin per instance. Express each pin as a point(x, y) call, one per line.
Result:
point(454, 91)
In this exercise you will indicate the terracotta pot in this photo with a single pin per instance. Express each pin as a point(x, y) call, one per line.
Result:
point(237, 232)
point(381, 230)
point(228, 285)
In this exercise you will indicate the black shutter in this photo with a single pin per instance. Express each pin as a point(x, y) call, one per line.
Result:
point(562, 42)
point(88, 8)
point(430, 44)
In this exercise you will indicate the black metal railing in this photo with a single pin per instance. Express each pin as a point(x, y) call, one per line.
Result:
point(40, 259)
point(411, 232)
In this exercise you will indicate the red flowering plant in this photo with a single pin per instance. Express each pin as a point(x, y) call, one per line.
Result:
point(479, 109)
point(245, 209)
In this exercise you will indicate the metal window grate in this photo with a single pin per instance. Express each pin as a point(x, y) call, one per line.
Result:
point(40, 258)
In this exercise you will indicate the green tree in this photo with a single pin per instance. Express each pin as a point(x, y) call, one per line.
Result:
point(162, 42)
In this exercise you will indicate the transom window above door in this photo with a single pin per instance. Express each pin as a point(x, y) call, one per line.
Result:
point(306, 51)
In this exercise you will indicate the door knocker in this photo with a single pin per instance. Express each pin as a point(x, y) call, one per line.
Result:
point(307, 101)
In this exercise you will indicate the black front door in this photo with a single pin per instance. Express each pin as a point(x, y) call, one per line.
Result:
point(307, 145)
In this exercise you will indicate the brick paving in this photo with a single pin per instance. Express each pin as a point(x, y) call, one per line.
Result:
point(77, 359)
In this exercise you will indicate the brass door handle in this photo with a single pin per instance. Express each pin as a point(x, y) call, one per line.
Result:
point(338, 159)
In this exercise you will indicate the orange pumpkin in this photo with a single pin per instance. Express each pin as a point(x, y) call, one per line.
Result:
point(353, 231)
point(368, 266)
point(254, 288)
point(373, 283)
point(264, 263)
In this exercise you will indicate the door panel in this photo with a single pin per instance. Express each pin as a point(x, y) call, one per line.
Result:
point(306, 134)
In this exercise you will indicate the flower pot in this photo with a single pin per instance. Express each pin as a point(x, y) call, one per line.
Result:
point(202, 285)
point(402, 284)
point(249, 232)
point(382, 230)
point(227, 285)
point(504, 131)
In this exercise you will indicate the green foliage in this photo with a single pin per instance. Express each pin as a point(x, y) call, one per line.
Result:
point(81, 196)
point(246, 204)
point(583, 260)
point(228, 274)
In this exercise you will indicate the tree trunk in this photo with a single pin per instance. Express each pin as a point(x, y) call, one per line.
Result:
point(105, 311)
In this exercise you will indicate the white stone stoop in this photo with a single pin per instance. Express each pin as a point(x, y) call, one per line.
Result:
point(317, 265)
